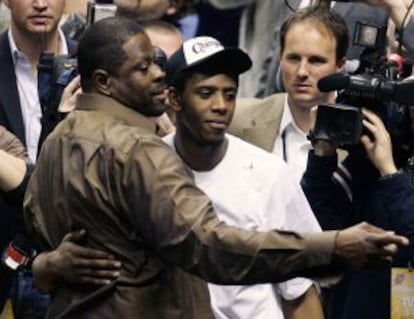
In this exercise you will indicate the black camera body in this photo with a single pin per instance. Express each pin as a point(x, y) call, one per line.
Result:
point(54, 74)
point(99, 9)
point(341, 124)
point(376, 86)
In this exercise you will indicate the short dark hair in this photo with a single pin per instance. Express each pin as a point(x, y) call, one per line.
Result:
point(331, 20)
point(101, 47)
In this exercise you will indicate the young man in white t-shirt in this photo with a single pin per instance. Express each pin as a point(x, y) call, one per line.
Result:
point(249, 187)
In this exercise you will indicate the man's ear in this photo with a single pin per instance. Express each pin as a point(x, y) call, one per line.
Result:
point(174, 99)
point(102, 82)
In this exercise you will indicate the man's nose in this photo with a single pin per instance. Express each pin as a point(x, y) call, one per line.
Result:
point(219, 103)
point(40, 4)
point(303, 69)
point(158, 73)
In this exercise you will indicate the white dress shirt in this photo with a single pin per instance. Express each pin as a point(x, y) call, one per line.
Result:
point(292, 144)
point(26, 78)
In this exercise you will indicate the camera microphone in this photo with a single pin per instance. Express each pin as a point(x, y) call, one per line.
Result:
point(369, 87)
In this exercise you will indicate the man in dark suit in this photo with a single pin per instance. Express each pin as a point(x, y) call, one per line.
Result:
point(33, 30)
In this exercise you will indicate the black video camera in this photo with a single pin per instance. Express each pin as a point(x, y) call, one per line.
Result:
point(376, 85)
point(54, 74)
point(99, 9)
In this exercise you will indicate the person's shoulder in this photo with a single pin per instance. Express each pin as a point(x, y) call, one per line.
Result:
point(252, 104)
point(247, 109)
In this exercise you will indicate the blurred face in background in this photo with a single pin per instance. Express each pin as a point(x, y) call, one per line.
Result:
point(309, 54)
point(147, 9)
point(76, 6)
point(168, 42)
point(35, 16)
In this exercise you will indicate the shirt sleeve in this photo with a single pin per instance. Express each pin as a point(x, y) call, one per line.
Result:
point(11, 144)
point(329, 201)
point(177, 220)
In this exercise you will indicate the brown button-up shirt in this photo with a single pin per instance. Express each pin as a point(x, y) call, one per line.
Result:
point(103, 169)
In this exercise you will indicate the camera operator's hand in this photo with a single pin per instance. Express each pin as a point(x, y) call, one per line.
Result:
point(378, 147)
point(68, 99)
point(74, 264)
point(397, 9)
point(365, 245)
point(320, 147)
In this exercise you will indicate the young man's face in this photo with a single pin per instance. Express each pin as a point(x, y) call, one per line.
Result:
point(36, 17)
point(308, 56)
point(139, 81)
point(206, 107)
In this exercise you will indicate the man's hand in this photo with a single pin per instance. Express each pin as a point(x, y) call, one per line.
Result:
point(365, 245)
point(379, 147)
point(69, 95)
point(321, 147)
point(75, 264)
point(397, 9)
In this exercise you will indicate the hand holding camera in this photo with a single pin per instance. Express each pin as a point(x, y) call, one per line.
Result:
point(378, 144)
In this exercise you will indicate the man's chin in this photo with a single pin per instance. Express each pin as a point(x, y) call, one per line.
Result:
point(157, 110)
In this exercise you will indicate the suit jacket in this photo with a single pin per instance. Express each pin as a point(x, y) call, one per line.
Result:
point(270, 79)
point(257, 121)
point(11, 118)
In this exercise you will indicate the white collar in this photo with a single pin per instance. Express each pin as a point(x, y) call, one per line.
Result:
point(287, 118)
point(15, 52)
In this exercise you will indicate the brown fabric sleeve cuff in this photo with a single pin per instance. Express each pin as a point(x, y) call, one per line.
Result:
point(322, 245)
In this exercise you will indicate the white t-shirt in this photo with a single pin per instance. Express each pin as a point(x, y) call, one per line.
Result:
point(254, 189)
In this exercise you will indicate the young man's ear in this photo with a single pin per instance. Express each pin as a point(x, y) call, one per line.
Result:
point(174, 99)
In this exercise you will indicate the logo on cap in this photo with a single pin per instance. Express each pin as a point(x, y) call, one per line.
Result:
point(200, 48)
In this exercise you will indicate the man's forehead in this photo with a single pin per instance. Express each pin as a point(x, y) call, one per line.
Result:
point(137, 47)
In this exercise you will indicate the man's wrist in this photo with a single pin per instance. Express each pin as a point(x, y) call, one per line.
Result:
point(390, 175)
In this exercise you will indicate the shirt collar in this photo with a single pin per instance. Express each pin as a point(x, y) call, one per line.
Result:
point(16, 53)
point(287, 117)
point(113, 108)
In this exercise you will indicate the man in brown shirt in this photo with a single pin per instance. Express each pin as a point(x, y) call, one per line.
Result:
point(103, 169)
